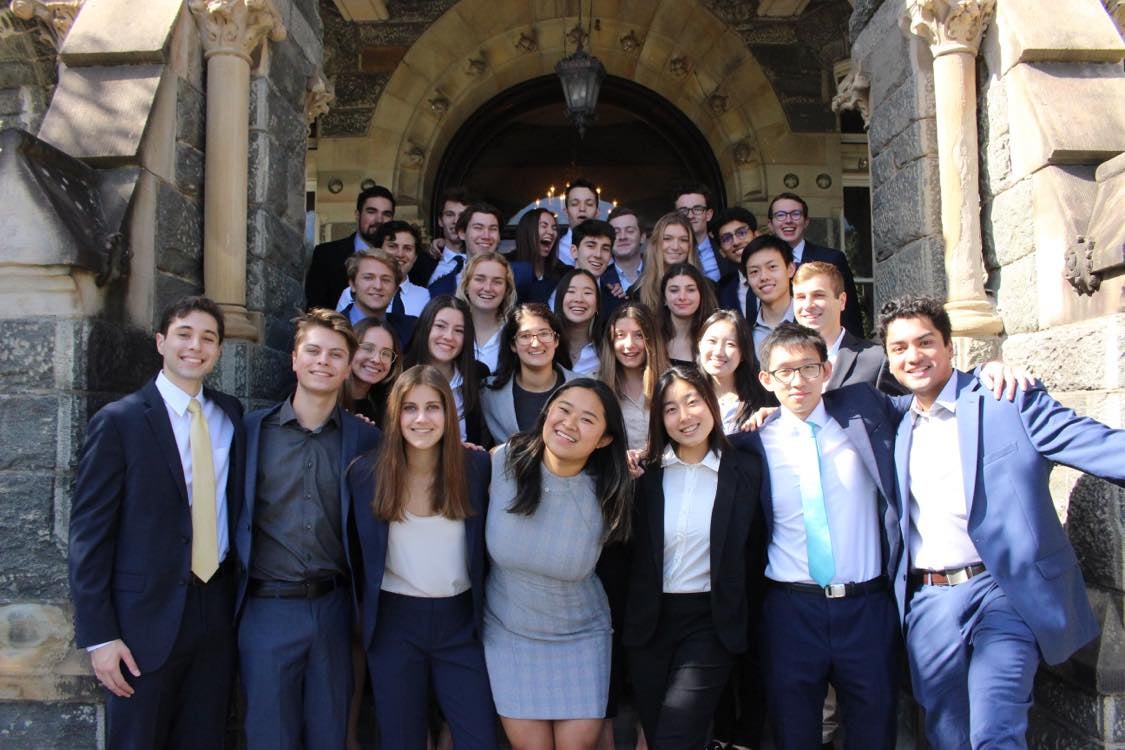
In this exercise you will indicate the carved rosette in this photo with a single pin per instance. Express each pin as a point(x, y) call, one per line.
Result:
point(321, 94)
point(54, 17)
point(854, 92)
point(679, 66)
point(236, 27)
point(527, 42)
point(949, 26)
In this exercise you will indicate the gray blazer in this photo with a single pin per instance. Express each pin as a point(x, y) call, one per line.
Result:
point(500, 409)
point(861, 361)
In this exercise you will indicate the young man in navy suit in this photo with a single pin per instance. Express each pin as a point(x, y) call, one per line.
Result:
point(294, 604)
point(326, 277)
point(986, 580)
point(159, 480)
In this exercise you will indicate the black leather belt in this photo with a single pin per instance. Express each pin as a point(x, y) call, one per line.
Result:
point(835, 590)
point(295, 589)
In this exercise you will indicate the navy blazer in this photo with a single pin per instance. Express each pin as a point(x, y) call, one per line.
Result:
point(736, 551)
point(356, 437)
point(862, 361)
point(130, 525)
point(373, 533)
point(327, 278)
point(1007, 451)
point(870, 420)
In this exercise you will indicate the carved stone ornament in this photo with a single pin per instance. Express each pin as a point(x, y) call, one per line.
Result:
point(54, 17)
point(1116, 10)
point(1079, 269)
point(415, 156)
point(854, 92)
point(320, 96)
point(527, 42)
point(718, 103)
point(236, 27)
point(631, 42)
point(949, 25)
point(475, 66)
point(679, 66)
point(745, 152)
point(439, 105)
point(577, 36)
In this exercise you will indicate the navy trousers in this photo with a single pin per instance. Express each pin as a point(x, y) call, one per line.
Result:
point(972, 664)
point(419, 644)
point(296, 664)
point(184, 703)
point(852, 643)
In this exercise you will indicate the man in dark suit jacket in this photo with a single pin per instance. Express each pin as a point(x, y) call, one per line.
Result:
point(326, 277)
point(159, 480)
point(294, 604)
point(789, 218)
point(374, 277)
point(734, 228)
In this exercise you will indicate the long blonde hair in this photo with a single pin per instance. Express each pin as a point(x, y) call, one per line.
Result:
point(651, 293)
point(509, 281)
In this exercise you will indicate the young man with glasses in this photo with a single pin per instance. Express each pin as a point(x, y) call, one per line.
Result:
point(734, 228)
point(788, 219)
point(694, 204)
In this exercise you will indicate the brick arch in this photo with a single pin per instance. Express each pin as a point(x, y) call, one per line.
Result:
point(471, 53)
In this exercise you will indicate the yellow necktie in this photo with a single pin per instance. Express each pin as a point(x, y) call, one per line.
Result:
point(204, 538)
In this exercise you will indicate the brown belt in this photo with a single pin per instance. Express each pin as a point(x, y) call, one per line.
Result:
point(947, 577)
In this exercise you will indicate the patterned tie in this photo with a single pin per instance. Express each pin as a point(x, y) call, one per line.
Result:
point(204, 537)
point(821, 565)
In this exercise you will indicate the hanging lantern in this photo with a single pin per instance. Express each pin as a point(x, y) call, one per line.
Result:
point(581, 75)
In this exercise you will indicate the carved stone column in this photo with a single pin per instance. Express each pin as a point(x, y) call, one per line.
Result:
point(953, 29)
point(231, 31)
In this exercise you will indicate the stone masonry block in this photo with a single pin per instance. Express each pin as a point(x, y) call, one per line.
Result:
point(1016, 297)
point(273, 240)
point(1096, 526)
point(118, 359)
point(74, 726)
point(191, 126)
point(112, 32)
point(1008, 225)
point(34, 563)
point(1083, 356)
point(917, 268)
point(189, 170)
point(905, 208)
point(179, 233)
point(1083, 32)
point(27, 355)
point(27, 432)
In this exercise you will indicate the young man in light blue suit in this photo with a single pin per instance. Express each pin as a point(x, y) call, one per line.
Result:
point(987, 581)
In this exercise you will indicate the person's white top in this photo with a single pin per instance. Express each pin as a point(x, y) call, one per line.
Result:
point(707, 259)
point(455, 384)
point(849, 493)
point(834, 347)
point(588, 362)
point(488, 353)
point(729, 407)
point(446, 264)
point(939, 513)
point(413, 297)
point(426, 557)
point(689, 498)
point(762, 328)
point(626, 280)
point(565, 254)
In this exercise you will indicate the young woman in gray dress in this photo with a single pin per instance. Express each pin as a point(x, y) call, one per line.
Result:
point(559, 492)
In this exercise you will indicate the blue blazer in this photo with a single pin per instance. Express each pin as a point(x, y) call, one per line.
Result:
point(356, 436)
point(130, 525)
point(373, 533)
point(1007, 450)
point(869, 419)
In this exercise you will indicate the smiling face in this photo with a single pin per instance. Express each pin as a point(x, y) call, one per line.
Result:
point(449, 213)
point(627, 244)
point(719, 355)
point(681, 296)
point(740, 235)
point(403, 249)
point(792, 222)
point(768, 275)
point(548, 232)
point(487, 286)
point(580, 300)
point(374, 357)
point(535, 342)
point(629, 344)
point(190, 350)
point(482, 234)
point(447, 335)
point(374, 287)
point(321, 361)
point(693, 207)
point(422, 418)
point(687, 420)
point(581, 204)
point(575, 426)
point(375, 213)
point(817, 306)
point(593, 254)
point(919, 357)
point(675, 244)
point(799, 393)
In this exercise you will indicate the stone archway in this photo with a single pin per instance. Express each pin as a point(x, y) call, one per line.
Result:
point(479, 48)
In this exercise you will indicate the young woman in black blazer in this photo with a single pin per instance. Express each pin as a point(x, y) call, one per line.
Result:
point(420, 504)
point(695, 553)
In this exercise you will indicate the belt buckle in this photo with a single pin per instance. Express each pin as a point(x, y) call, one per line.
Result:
point(959, 576)
point(836, 590)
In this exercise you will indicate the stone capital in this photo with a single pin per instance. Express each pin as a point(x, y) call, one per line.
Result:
point(54, 17)
point(854, 92)
point(949, 26)
point(321, 94)
point(236, 27)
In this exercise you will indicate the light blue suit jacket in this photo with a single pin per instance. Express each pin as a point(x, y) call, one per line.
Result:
point(1007, 451)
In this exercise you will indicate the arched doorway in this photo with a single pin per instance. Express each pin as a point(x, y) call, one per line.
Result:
point(520, 143)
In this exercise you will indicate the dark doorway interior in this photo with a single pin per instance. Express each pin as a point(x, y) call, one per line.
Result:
point(520, 143)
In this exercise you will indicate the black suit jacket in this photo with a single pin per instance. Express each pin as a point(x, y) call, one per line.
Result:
point(130, 525)
point(327, 278)
point(372, 534)
point(862, 361)
point(737, 553)
point(852, 318)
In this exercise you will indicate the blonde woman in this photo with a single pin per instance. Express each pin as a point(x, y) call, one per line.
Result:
point(489, 288)
point(672, 241)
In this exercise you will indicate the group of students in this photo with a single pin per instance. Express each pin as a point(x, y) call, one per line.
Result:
point(640, 520)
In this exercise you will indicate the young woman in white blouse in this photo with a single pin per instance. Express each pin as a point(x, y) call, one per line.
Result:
point(489, 288)
point(696, 551)
point(576, 305)
point(632, 360)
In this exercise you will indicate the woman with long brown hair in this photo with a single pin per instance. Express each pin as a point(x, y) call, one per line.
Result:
point(632, 359)
point(687, 301)
point(421, 592)
point(537, 245)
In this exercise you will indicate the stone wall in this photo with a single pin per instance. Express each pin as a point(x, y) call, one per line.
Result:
point(28, 71)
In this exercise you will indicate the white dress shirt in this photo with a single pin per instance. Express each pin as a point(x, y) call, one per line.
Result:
point(588, 362)
point(624, 278)
point(488, 353)
point(446, 264)
point(565, 254)
point(849, 500)
point(799, 252)
point(939, 513)
point(689, 498)
point(426, 557)
point(413, 297)
point(456, 384)
point(762, 328)
point(707, 259)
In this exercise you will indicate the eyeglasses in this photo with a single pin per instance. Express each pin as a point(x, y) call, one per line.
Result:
point(545, 336)
point(692, 210)
point(808, 372)
point(729, 237)
point(796, 215)
point(386, 355)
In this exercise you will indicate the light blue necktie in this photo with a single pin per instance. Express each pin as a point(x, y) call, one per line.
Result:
point(821, 565)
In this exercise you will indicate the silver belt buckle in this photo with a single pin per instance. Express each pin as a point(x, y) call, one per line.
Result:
point(836, 590)
point(959, 576)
